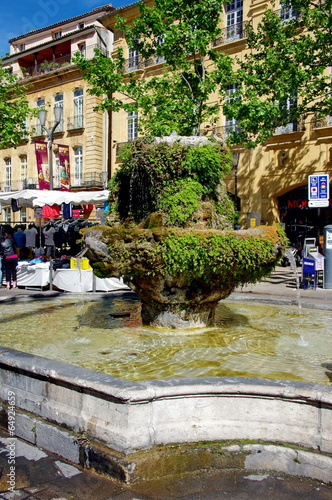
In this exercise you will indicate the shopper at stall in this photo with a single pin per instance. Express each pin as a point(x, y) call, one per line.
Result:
point(10, 261)
point(19, 240)
point(48, 232)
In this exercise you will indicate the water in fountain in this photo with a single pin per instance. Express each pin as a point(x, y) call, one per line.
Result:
point(248, 340)
point(290, 256)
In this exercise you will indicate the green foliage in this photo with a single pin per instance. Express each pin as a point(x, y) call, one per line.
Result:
point(180, 201)
point(171, 178)
point(286, 59)
point(14, 109)
point(198, 255)
point(193, 256)
point(206, 165)
point(180, 34)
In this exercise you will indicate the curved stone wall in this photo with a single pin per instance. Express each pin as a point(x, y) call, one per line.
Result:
point(56, 401)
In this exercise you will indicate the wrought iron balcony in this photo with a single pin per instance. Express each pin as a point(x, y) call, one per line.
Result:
point(37, 131)
point(221, 132)
point(322, 121)
point(75, 122)
point(92, 179)
point(46, 66)
point(232, 33)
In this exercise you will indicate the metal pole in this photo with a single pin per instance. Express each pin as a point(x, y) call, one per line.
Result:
point(50, 163)
point(51, 273)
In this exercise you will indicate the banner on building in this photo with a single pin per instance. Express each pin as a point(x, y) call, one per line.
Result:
point(42, 165)
point(64, 166)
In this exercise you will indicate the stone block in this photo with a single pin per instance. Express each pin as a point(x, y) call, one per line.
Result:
point(57, 441)
point(25, 427)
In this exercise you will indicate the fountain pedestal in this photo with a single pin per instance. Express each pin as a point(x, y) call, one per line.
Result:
point(180, 275)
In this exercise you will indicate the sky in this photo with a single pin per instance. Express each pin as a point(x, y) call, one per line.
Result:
point(20, 16)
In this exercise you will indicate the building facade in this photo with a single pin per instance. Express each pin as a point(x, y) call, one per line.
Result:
point(269, 182)
point(43, 59)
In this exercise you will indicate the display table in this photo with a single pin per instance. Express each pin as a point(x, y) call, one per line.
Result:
point(35, 276)
point(81, 280)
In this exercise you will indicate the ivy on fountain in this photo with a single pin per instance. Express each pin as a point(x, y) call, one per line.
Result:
point(170, 236)
point(182, 183)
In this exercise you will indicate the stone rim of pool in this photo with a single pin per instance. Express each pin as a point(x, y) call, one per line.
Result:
point(116, 426)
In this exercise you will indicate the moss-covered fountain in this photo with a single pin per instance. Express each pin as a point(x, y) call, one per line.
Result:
point(170, 236)
point(170, 232)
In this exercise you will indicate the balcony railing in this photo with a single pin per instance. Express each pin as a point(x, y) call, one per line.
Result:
point(47, 66)
point(322, 121)
point(231, 34)
point(37, 131)
point(288, 14)
point(286, 129)
point(92, 179)
point(18, 185)
point(60, 127)
point(221, 132)
point(75, 122)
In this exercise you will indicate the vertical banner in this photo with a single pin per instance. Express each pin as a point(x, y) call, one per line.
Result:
point(63, 155)
point(42, 165)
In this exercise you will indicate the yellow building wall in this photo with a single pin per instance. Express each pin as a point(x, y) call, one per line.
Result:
point(269, 170)
point(91, 137)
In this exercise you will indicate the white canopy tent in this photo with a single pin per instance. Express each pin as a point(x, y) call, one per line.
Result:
point(35, 198)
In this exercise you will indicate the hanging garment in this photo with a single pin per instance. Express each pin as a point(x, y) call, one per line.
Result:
point(14, 205)
point(51, 212)
point(67, 210)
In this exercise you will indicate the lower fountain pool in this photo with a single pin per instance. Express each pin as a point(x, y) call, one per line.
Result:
point(249, 340)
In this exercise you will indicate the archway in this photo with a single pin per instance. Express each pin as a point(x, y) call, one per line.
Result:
point(301, 221)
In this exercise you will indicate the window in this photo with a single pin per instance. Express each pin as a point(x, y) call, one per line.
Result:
point(8, 174)
point(160, 41)
point(78, 108)
point(22, 47)
point(82, 49)
point(288, 12)
point(56, 172)
point(234, 18)
point(58, 101)
point(24, 129)
point(7, 215)
point(292, 125)
point(57, 35)
point(133, 60)
point(230, 122)
point(40, 105)
point(24, 171)
point(23, 212)
point(80, 26)
point(78, 166)
point(132, 125)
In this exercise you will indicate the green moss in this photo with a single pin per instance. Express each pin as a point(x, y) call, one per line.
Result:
point(200, 257)
point(170, 178)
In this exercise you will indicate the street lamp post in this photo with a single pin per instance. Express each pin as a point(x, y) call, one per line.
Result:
point(235, 162)
point(49, 134)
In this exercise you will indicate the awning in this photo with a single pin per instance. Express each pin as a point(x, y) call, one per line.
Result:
point(36, 198)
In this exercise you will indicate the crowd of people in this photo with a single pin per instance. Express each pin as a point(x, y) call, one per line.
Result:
point(26, 242)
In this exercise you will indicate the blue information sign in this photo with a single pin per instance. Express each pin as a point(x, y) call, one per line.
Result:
point(318, 187)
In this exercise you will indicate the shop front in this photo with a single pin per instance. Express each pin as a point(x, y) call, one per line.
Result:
point(301, 221)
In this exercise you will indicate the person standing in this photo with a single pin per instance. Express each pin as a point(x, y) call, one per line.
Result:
point(48, 232)
point(10, 261)
point(19, 240)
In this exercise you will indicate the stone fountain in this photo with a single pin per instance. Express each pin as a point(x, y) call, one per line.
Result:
point(170, 236)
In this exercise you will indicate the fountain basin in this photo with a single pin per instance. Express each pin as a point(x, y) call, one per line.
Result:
point(181, 274)
point(104, 422)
